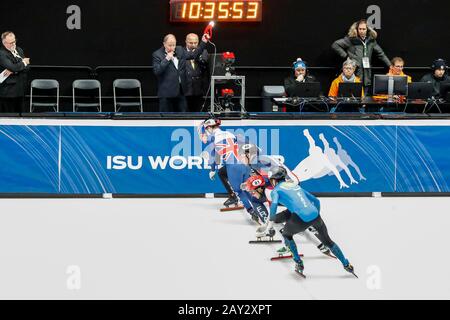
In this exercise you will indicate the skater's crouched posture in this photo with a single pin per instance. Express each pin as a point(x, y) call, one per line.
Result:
point(259, 190)
point(222, 151)
point(303, 212)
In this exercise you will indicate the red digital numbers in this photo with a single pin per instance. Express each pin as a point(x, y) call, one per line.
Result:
point(218, 10)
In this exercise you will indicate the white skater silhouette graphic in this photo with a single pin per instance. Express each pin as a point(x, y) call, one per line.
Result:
point(335, 159)
point(346, 159)
point(317, 164)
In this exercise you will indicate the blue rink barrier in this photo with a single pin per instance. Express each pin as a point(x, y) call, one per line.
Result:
point(149, 157)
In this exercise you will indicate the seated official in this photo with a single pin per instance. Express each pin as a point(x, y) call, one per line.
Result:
point(347, 76)
point(396, 69)
point(169, 67)
point(300, 76)
point(438, 76)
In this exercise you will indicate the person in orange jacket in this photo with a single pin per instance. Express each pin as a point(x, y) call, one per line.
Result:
point(396, 69)
point(347, 75)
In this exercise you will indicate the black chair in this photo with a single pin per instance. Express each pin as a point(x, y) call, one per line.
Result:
point(87, 85)
point(47, 85)
point(127, 84)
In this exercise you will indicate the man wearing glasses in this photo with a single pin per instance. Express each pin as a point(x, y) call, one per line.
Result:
point(13, 72)
point(396, 69)
point(347, 76)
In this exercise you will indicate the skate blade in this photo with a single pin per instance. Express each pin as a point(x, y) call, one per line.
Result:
point(264, 241)
point(354, 275)
point(231, 209)
point(281, 257)
point(300, 274)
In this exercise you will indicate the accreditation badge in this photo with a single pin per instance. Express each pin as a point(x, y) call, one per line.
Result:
point(366, 62)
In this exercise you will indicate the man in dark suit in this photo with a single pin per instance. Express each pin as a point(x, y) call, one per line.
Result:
point(14, 65)
point(196, 75)
point(169, 66)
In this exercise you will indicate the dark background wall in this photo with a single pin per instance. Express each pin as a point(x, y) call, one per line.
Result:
point(127, 32)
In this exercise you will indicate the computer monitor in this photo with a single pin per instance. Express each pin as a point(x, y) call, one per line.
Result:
point(444, 92)
point(390, 85)
point(306, 90)
point(420, 90)
point(350, 90)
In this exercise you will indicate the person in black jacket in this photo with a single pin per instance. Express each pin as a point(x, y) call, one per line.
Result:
point(169, 66)
point(14, 65)
point(437, 77)
point(360, 45)
point(300, 75)
point(196, 74)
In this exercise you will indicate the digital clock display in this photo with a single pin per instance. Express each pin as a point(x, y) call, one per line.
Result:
point(217, 10)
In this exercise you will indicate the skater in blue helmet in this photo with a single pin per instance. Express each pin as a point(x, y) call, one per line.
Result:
point(303, 212)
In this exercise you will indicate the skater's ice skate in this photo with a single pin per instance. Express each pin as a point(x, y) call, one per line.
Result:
point(349, 268)
point(232, 203)
point(299, 267)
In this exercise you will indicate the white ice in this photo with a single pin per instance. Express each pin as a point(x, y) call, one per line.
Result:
point(187, 249)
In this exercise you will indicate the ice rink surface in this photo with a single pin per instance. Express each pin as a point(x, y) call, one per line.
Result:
point(187, 249)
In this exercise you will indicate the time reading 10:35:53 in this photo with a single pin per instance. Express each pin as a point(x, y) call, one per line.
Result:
point(217, 10)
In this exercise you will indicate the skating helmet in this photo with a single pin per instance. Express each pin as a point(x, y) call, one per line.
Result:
point(278, 173)
point(254, 182)
point(249, 150)
point(211, 122)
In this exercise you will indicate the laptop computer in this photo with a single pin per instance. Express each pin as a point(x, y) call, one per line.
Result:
point(420, 90)
point(350, 90)
point(445, 91)
point(306, 90)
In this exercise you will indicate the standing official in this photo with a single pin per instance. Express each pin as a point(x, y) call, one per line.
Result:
point(169, 66)
point(196, 74)
point(360, 45)
point(14, 65)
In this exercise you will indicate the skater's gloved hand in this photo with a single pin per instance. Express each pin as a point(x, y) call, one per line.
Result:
point(212, 175)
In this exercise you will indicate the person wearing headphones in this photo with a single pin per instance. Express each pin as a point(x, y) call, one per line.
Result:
point(300, 75)
point(438, 76)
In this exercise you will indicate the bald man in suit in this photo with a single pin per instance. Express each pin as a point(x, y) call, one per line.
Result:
point(169, 67)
